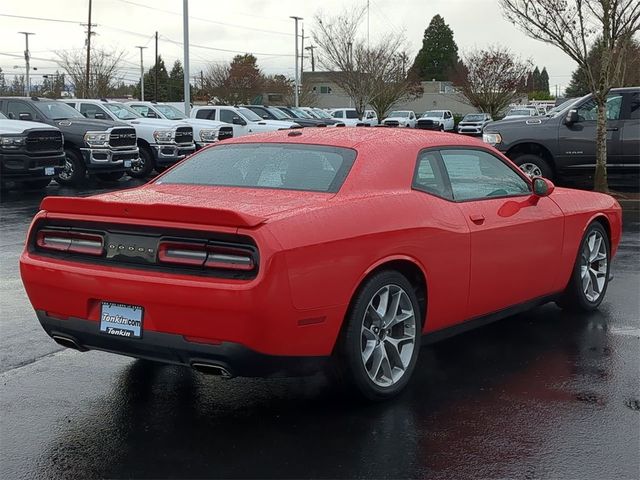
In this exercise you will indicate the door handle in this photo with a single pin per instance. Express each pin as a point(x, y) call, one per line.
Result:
point(477, 218)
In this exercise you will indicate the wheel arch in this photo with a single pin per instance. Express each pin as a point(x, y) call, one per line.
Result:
point(533, 148)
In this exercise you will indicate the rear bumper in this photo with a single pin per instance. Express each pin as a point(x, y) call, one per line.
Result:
point(234, 358)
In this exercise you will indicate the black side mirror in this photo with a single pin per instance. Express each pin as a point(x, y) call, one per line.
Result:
point(100, 116)
point(238, 121)
point(25, 116)
point(265, 116)
point(572, 117)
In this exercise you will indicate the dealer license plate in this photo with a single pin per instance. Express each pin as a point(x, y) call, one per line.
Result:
point(49, 171)
point(121, 320)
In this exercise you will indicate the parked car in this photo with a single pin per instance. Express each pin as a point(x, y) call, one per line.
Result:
point(473, 123)
point(30, 153)
point(350, 117)
point(522, 112)
point(283, 115)
point(162, 142)
point(205, 132)
point(400, 118)
point(437, 120)
point(103, 148)
point(562, 144)
point(241, 116)
point(276, 260)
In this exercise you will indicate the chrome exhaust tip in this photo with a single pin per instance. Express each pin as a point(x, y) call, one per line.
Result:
point(211, 369)
point(67, 342)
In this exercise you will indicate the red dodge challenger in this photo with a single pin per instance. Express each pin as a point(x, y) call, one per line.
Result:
point(278, 253)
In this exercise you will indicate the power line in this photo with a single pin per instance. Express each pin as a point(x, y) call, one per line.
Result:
point(228, 51)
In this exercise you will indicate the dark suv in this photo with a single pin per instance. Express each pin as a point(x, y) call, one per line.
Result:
point(99, 147)
point(30, 153)
point(562, 144)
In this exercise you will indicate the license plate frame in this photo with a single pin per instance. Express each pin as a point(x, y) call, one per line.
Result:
point(49, 171)
point(121, 320)
point(127, 164)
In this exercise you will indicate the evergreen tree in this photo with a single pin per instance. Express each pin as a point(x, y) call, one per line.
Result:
point(439, 53)
point(176, 82)
point(149, 83)
point(544, 80)
point(3, 84)
point(534, 86)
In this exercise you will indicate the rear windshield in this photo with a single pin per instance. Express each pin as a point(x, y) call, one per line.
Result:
point(311, 168)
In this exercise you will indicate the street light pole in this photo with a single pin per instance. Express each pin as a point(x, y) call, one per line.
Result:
point(27, 57)
point(297, 83)
point(141, 74)
point(187, 86)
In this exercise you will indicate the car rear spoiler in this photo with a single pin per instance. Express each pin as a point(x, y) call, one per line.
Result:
point(151, 211)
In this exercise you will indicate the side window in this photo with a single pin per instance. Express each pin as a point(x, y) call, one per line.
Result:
point(634, 111)
point(589, 110)
point(206, 113)
point(90, 110)
point(428, 176)
point(338, 114)
point(141, 109)
point(227, 116)
point(475, 174)
point(447, 114)
point(14, 109)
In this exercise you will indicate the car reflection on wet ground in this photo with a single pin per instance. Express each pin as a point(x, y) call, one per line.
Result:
point(544, 394)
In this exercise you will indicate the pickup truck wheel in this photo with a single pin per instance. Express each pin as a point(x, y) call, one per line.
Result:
point(74, 169)
point(36, 184)
point(534, 166)
point(144, 166)
point(110, 176)
point(379, 345)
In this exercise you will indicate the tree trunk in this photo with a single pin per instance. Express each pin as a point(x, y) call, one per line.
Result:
point(600, 183)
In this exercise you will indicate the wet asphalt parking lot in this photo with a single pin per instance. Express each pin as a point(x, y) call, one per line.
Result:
point(544, 394)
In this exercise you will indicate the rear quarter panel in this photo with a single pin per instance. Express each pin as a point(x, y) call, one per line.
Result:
point(580, 209)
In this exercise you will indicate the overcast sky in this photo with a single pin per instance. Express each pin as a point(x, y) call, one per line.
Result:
point(261, 27)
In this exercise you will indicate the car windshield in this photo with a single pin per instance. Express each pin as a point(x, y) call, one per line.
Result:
point(171, 113)
point(311, 113)
point(279, 114)
point(433, 114)
point(279, 166)
point(122, 111)
point(399, 114)
point(563, 106)
point(524, 112)
point(249, 114)
point(474, 117)
point(57, 110)
point(301, 113)
point(321, 113)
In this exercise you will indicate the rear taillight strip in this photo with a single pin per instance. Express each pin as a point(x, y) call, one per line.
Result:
point(205, 255)
point(70, 241)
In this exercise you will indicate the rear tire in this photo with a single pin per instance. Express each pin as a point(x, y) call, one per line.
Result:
point(110, 176)
point(36, 184)
point(590, 277)
point(74, 171)
point(534, 166)
point(145, 166)
point(378, 347)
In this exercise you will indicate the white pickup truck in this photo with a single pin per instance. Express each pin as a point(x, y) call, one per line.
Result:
point(350, 117)
point(204, 131)
point(161, 142)
point(240, 116)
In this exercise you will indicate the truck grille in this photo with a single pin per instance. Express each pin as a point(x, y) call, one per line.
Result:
point(428, 125)
point(122, 137)
point(391, 123)
point(44, 141)
point(184, 135)
point(225, 132)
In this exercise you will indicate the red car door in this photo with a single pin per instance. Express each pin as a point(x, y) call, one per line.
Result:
point(516, 237)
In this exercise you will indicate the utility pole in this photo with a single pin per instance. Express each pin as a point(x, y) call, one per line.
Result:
point(187, 85)
point(302, 53)
point(313, 62)
point(141, 74)
point(88, 67)
point(155, 90)
point(297, 84)
point(367, 23)
point(27, 58)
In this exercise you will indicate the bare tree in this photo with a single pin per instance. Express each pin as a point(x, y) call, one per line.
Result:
point(393, 85)
point(574, 26)
point(364, 72)
point(489, 79)
point(105, 71)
